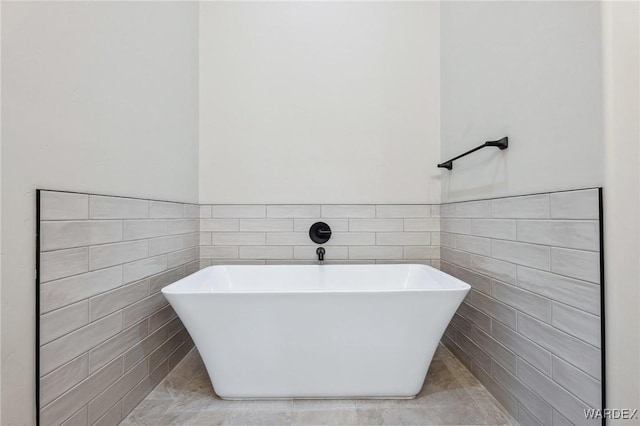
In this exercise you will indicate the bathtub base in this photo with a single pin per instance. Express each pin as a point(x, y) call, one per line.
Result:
point(405, 398)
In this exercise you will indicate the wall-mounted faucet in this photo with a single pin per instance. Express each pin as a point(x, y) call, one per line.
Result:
point(320, 252)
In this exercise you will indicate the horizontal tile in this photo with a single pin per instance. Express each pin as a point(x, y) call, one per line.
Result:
point(447, 240)
point(237, 238)
point(523, 347)
point(534, 403)
point(64, 349)
point(577, 323)
point(64, 320)
point(578, 383)
point(579, 294)
point(219, 252)
point(336, 225)
point(140, 390)
point(448, 210)
point(558, 397)
point(504, 229)
point(288, 239)
point(191, 240)
point(352, 239)
point(205, 211)
point(64, 378)
point(560, 420)
point(375, 252)
point(480, 319)
point(583, 265)
point(63, 263)
point(116, 391)
point(266, 225)
point(478, 354)
point(113, 416)
point(348, 211)
point(140, 269)
point(376, 225)
point(166, 210)
point(293, 211)
point(164, 245)
point(62, 235)
point(144, 347)
point(456, 226)
point(59, 293)
point(403, 210)
point(65, 406)
point(501, 394)
point(238, 211)
point(265, 252)
point(475, 280)
point(403, 238)
point(462, 324)
point(503, 313)
point(473, 209)
point(138, 229)
point(182, 226)
point(526, 207)
point(220, 225)
point(161, 317)
point(192, 267)
point(575, 204)
point(114, 254)
point(309, 252)
point(457, 257)
point(192, 211)
point(157, 282)
point(79, 418)
point(525, 254)
point(422, 252)
point(115, 346)
point(113, 300)
point(497, 269)
point(472, 244)
point(498, 352)
point(117, 208)
point(181, 257)
point(63, 206)
point(571, 349)
point(142, 309)
point(422, 225)
point(163, 351)
point(205, 238)
point(435, 210)
point(435, 238)
point(575, 234)
point(523, 300)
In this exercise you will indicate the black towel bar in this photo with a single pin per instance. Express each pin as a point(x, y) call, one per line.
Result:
point(501, 144)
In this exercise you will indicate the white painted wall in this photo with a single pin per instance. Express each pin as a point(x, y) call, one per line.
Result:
point(319, 102)
point(621, 47)
point(530, 71)
point(98, 97)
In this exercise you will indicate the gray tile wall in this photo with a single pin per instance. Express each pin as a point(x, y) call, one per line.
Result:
point(275, 234)
point(107, 335)
point(530, 327)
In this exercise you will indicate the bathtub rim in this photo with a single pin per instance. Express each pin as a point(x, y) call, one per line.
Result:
point(172, 289)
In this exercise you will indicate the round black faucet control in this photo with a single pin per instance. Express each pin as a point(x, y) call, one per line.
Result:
point(320, 232)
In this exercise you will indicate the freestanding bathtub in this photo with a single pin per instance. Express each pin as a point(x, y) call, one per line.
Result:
point(326, 331)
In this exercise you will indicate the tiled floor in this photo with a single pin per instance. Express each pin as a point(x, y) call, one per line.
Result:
point(451, 396)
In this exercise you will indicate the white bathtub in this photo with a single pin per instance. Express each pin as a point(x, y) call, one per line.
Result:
point(331, 331)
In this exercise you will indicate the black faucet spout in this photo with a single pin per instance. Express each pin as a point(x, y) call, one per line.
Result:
point(320, 252)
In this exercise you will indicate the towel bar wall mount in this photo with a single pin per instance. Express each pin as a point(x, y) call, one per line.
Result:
point(500, 144)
